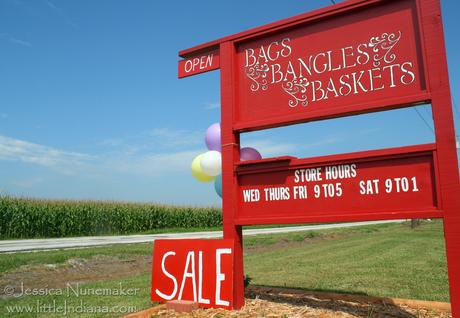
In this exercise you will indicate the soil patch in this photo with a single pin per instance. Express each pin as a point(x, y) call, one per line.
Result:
point(75, 270)
point(287, 243)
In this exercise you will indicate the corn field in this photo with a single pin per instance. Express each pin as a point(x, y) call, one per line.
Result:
point(32, 218)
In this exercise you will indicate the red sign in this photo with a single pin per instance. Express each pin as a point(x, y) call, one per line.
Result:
point(318, 70)
point(199, 64)
point(354, 57)
point(195, 270)
point(335, 187)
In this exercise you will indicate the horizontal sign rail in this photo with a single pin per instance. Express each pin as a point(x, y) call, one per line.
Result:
point(321, 114)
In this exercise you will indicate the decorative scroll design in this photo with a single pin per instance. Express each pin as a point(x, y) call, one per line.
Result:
point(258, 75)
point(297, 89)
point(382, 47)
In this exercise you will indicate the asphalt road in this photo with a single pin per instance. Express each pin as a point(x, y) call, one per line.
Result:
point(13, 246)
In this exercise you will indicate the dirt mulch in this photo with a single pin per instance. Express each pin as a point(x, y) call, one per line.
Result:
point(287, 243)
point(75, 270)
point(288, 303)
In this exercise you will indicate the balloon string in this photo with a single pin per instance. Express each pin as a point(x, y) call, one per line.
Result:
point(230, 144)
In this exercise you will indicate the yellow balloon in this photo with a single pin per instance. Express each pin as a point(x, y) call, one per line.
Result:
point(197, 173)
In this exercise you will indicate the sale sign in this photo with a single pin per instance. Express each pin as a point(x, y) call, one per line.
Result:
point(194, 270)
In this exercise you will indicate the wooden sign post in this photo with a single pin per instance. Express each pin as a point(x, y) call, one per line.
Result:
point(351, 58)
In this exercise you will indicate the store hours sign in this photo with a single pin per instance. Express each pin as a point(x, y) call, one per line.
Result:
point(299, 188)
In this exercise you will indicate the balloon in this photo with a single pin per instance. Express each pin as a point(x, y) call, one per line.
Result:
point(249, 153)
point(197, 173)
point(212, 137)
point(218, 185)
point(211, 163)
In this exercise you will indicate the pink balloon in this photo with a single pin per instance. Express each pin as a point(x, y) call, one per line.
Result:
point(248, 153)
point(212, 137)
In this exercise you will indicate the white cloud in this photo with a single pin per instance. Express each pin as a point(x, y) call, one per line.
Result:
point(61, 13)
point(322, 142)
point(157, 152)
point(28, 183)
point(14, 40)
point(20, 42)
point(156, 164)
point(177, 138)
point(268, 148)
point(212, 106)
point(151, 163)
point(18, 150)
point(155, 140)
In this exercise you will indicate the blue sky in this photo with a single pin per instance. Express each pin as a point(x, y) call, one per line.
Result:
point(91, 107)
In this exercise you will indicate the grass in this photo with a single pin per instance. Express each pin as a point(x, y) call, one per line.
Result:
point(15, 260)
point(389, 260)
point(12, 261)
point(77, 303)
point(305, 235)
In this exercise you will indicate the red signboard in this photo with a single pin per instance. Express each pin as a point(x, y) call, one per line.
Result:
point(333, 188)
point(194, 270)
point(331, 67)
point(199, 64)
point(354, 57)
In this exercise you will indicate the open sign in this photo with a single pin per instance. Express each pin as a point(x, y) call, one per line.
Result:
point(198, 64)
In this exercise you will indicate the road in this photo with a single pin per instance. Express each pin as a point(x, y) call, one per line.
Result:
point(13, 246)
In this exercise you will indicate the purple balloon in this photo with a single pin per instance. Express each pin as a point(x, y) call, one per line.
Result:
point(212, 137)
point(249, 153)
